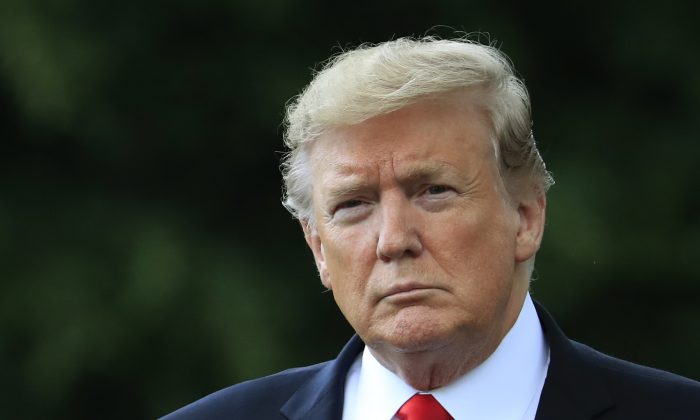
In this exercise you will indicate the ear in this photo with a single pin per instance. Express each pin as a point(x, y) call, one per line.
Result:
point(531, 211)
point(314, 242)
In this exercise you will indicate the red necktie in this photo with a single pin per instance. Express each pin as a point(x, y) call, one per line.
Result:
point(423, 407)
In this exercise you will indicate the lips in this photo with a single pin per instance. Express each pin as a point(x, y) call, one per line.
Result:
point(405, 289)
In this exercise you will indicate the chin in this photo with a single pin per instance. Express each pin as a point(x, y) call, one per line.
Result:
point(416, 332)
point(417, 345)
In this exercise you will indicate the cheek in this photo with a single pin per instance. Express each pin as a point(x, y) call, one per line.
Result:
point(350, 264)
point(348, 244)
point(350, 256)
point(479, 247)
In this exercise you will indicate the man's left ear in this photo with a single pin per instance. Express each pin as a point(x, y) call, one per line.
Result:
point(531, 211)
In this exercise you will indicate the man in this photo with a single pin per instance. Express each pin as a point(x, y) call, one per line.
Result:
point(421, 193)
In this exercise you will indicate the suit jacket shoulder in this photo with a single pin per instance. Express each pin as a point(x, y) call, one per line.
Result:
point(583, 383)
point(258, 398)
point(312, 392)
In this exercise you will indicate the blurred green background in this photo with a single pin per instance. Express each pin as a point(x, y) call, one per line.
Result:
point(145, 259)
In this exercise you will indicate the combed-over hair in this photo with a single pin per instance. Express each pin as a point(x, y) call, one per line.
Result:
point(372, 80)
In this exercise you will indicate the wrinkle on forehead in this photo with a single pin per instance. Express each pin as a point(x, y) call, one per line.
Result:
point(369, 150)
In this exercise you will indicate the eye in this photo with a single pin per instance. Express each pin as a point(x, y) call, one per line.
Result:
point(350, 211)
point(437, 189)
point(348, 204)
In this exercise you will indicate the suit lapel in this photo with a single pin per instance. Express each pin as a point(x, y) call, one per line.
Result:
point(572, 389)
point(322, 396)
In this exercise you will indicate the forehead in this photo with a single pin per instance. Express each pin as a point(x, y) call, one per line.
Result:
point(426, 137)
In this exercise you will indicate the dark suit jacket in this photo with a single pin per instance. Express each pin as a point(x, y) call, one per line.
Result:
point(581, 383)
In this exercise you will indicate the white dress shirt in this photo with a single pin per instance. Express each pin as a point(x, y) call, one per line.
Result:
point(506, 386)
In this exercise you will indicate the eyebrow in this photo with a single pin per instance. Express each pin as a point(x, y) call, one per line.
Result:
point(347, 189)
point(415, 174)
point(428, 171)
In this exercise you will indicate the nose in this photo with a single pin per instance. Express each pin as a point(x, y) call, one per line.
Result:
point(398, 234)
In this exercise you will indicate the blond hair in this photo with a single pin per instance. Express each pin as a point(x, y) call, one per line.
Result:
point(372, 80)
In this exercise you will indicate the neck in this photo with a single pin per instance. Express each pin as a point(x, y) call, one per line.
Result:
point(435, 368)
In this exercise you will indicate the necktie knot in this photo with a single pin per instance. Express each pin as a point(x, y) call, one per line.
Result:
point(423, 407)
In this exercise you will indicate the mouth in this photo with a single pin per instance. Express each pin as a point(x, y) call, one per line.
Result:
point(407, 291)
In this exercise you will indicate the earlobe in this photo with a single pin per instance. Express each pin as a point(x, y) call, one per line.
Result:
point(314, 243)
point(532, 217)
point(322, 268)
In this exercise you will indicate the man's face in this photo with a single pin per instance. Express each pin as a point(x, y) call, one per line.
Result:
point(413, 233)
